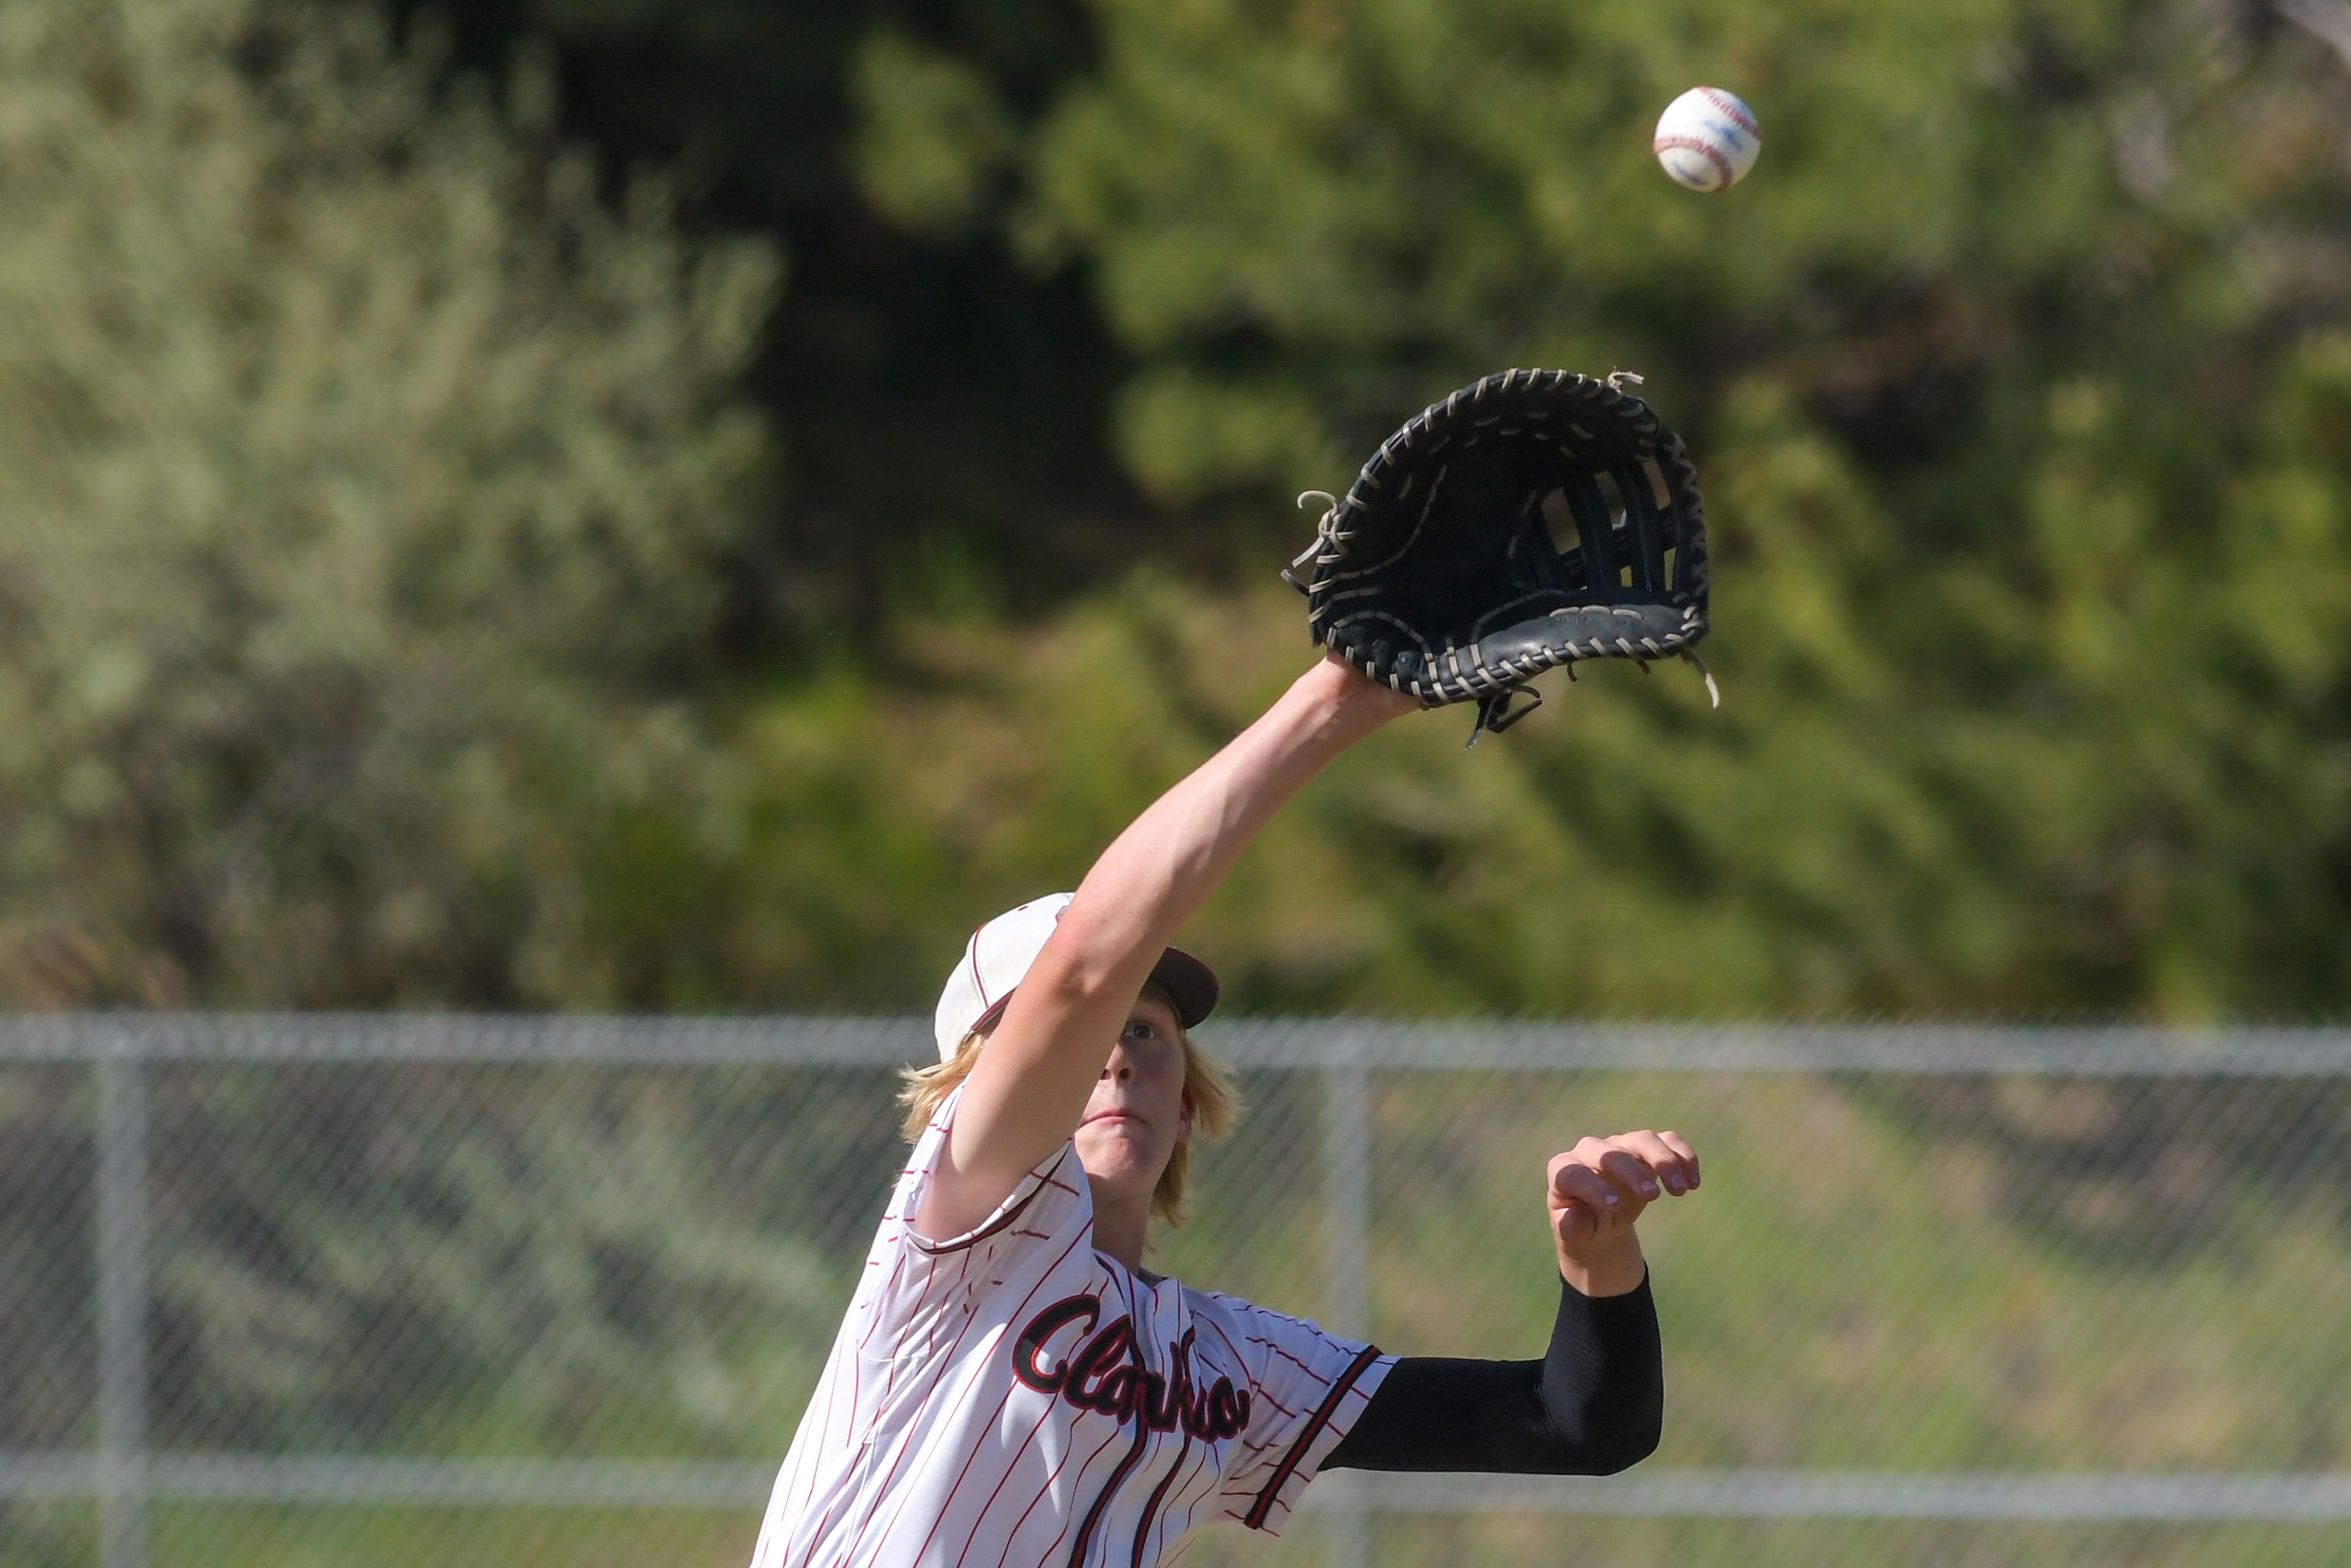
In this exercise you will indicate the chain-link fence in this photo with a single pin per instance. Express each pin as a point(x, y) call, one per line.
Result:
point(333, 1291)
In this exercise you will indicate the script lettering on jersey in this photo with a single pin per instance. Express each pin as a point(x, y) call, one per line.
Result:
point(1099, 1374)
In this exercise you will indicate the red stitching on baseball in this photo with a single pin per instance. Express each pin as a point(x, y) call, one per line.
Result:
point(1729, 106)
point(1703, 149)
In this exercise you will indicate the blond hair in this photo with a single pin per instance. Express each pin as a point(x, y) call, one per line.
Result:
point(1209, 1094)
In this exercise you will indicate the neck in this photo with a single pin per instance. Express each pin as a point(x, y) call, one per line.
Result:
point(1121, 1225)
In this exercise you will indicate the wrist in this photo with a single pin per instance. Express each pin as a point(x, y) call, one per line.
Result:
point(1350, 698)
point(1613, 1267)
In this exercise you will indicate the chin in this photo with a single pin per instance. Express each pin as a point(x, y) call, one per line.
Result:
point(1112, 1158)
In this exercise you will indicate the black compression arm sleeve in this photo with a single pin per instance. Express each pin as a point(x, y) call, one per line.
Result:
point(1594, 1405)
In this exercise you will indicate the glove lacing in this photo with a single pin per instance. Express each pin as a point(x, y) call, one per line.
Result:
point(1713, 692)
point(1326, 536)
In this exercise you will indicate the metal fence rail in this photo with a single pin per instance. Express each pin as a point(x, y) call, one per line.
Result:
point(774, 1041)
point(206, 1143)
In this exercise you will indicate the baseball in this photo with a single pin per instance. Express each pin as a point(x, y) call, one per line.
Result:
point(1707, 138)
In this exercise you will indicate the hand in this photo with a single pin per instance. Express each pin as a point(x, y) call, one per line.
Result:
point(1597, 1190)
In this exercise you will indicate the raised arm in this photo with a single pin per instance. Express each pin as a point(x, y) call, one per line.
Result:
point(1030, 1085)
point(1595, 1402)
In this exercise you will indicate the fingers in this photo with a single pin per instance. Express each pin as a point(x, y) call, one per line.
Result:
point(1667, 1155)
point(1621, 1166)
point(1680, 1145)
point(1576, 1181)
point(1627, 1171)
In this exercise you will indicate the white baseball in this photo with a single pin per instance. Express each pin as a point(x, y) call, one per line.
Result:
point(1707, 138)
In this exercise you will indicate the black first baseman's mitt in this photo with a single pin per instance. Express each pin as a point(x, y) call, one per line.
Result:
point(1437, 574)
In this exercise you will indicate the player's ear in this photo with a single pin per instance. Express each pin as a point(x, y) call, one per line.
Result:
point(1183, 1121)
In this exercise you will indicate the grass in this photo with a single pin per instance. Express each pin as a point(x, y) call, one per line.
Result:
point(1847, 1292)
point(1876, 1275)
point(203, 1537)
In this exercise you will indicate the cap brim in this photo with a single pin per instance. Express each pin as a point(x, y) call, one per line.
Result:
point(1191, 985)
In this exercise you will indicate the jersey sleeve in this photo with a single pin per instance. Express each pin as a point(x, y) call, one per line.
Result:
point(1308, 1386)
point(913, 1284)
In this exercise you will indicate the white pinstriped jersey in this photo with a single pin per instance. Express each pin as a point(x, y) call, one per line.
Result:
point(1013, 1398)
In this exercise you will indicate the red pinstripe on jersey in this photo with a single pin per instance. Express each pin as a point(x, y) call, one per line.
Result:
point(907, 1441)
point(1321, 1380)
point(915, 1244)
point(1133, 1455)
point(1010, 1469)
point(1158, 1496)
point(1044, 1490)
point(1363, 1359)
point(958, 1481)
point(947, 1504)
point(1003, 1221)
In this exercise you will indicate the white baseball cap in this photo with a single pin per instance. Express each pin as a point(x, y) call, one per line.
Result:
point(1001, 952)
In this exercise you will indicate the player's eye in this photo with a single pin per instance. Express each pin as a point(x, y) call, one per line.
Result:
point(1139, 1031)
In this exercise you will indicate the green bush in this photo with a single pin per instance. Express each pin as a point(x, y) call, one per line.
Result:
point(364, 483)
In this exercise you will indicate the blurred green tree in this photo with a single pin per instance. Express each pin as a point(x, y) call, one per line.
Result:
point(363, 482)
point(949, 406)
point(2017, 376)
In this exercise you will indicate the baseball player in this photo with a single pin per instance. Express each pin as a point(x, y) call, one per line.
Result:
point(1012, 1388)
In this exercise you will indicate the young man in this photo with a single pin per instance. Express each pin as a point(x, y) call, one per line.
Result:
point(1011, 1388)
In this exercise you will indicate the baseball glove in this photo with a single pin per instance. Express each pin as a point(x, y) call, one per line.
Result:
point(1437, 574)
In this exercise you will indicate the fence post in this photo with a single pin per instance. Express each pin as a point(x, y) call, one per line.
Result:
point(1346, 1258)
point(122, 1302)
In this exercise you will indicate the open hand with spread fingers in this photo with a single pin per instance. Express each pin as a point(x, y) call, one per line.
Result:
point(1598, 1189)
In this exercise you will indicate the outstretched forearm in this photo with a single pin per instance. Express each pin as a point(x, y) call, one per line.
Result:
point(1594, 1405)
point(1030, 1085)
point(1171, 858)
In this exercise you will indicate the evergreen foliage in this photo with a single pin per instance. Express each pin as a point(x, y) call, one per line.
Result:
point(364, 485)
point(2018, 377)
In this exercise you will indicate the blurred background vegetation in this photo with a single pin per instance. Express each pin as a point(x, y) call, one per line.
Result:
point(604, 504)
point(631, 505)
